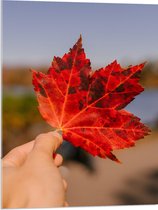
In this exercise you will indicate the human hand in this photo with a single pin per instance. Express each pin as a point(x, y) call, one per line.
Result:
point(31, 177)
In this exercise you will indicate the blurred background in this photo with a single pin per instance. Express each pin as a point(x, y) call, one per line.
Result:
point(33, 32)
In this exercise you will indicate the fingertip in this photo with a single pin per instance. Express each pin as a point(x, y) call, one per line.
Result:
point(66, 204)
point(56, 135)
point(58, 160)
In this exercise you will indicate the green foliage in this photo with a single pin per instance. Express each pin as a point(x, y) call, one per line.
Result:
point(19, 111)
point(21, 120)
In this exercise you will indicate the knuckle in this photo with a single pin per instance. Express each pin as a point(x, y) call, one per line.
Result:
point(40, 136)
point(65, 184)
point(15, 150)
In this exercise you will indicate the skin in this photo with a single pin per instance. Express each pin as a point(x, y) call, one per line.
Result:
point(31, 178)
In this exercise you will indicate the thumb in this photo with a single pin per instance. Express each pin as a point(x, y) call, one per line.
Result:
point(46, 144)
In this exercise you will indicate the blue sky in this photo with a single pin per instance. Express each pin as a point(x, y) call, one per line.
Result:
point(33, 32)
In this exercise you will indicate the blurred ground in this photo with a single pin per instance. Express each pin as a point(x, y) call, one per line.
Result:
point(135, 181)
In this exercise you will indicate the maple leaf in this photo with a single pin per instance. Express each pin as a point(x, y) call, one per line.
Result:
point(88, 106)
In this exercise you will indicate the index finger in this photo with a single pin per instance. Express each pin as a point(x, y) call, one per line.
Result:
point(18, 155)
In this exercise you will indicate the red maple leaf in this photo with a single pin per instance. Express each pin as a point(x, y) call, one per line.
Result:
point(88, 106)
